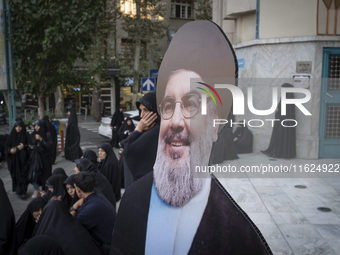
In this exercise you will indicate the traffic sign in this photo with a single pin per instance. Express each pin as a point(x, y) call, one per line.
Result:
point(154, 73)
point(148, 84)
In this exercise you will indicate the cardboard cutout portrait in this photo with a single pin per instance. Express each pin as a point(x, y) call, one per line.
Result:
point(169, 211)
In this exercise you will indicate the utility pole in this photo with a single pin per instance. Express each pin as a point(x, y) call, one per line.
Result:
point(9, 64)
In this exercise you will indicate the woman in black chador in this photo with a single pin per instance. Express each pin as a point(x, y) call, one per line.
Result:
point(126, 129)
point(40, 165)
point(72, 142)
point(109, 167)
point(17, 157)
point(243, 139)
point(283, 142)
point(116, 122)
point(7, 224)
point(27, 221)
point(50, 128)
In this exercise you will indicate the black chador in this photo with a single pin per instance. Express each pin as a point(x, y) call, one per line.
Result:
point(17, 158)
point(50, 128)
point(72, 142)
point(110, 169)
point(283, 139)
point(40, 144)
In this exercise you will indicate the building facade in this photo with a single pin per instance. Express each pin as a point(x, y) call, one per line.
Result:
point(295, 41)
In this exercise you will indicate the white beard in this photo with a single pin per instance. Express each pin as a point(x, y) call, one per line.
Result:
point(173, 178)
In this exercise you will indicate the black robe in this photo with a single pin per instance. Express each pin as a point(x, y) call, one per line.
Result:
point(140, 149)
point(26, 223)
point(223, 148)
point(122, 134)
point(110, 169)
point(40, 164)
point(41, 245)
point(57, 223)
point(17, 163)
point(54, 138)
point(7, 224)
point(139, 154)
point(72, 141)
point(224, 228)
point(244, 141)
point(103, 186)
point(116, 123)
point(283, 139)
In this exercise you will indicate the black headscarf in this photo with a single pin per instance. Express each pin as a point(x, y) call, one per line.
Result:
point(69, 181)
point(72, 141)
point(59, 171)
point(137, 160)
point(42, 130)
point(110, 169)
point(57, 182)
point(7, 223)
point(25, 225)
point(41, 245)
point(103, 186)
point(92, 156)
point(57, 223)
point(16, 138)
point(149, 101)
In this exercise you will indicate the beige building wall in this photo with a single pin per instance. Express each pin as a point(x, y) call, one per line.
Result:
point(288, 18)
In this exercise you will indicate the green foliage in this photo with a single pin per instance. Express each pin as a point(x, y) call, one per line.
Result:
point(147, 27)
point(47, 38)
point(31, 117)
point(203, 9)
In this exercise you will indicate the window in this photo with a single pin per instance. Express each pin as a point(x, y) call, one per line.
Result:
point(182, 9)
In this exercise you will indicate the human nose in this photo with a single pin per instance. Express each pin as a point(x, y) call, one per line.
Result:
point(177, 117)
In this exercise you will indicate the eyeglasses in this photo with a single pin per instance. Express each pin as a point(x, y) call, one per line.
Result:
point(190, 105)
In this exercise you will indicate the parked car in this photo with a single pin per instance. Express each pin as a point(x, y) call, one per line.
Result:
point(105, 126)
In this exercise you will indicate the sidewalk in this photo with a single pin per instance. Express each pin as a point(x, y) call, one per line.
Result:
point(284, 209)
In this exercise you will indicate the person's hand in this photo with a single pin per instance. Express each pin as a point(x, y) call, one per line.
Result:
point(55, 198)
point(78, 204)
point(20, 146)
point(147, 122)
point(38, 137)
point(13, 150)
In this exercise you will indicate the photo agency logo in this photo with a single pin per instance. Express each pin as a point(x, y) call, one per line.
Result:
point(239, 99)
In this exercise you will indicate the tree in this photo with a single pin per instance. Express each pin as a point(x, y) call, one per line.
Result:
point(144, 28)
point(47, 38)
point(101, 53)
point(203, 9)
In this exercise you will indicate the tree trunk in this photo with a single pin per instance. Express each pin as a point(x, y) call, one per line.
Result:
point(41, 105)
point(95, 96)
point(59, 103)
point(137, 57)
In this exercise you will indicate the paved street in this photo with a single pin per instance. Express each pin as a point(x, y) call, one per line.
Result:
point(285, 209)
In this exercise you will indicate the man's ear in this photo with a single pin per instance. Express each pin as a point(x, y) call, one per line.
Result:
point(215, 134)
